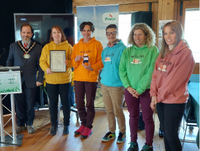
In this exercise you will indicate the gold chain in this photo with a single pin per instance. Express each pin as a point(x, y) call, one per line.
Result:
point(25, 49)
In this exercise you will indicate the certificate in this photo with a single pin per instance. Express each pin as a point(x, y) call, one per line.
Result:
point(57, 60)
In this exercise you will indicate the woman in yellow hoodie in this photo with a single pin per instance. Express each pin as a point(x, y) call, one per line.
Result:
point(86, 60)
point(57, 82)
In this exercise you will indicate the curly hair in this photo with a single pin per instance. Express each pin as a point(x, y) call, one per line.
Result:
point(149, 33)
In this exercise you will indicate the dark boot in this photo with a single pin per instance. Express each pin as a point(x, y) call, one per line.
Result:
point(53, 130)
point(66, 130)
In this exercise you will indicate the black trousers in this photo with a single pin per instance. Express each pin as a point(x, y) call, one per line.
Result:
point(170, 116)
point(53, 90)
point(24, 105)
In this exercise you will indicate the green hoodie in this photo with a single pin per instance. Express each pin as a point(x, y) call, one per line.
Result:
point(136, 67)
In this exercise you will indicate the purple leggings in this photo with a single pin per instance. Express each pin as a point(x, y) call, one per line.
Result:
point(133, 108)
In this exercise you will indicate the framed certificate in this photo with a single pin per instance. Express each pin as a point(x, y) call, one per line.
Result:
point(57, 60)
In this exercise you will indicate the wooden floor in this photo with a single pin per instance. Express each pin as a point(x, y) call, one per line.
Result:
point(43, 141)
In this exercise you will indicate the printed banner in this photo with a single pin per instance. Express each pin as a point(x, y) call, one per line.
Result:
point(10, 82)
point(101, 17)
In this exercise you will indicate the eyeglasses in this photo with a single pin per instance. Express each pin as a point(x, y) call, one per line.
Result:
point(109, 33)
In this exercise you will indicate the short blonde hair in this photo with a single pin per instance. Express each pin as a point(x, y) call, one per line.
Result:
point(178, 29)
point(149, 33)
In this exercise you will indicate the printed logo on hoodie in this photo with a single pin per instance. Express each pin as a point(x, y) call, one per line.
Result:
point(85, 52)
point(108, 57)
point(136, 59)
point(163, 65)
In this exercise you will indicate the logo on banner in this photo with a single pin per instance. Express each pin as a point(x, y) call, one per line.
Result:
point(110, 17)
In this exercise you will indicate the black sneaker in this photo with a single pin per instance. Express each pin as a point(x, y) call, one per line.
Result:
point(121, 137)
point(147, 148)
point(109, 136)
point(133, 146)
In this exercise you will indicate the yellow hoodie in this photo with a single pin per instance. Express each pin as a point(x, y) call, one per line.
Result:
point(56, 78)
point(93, 49)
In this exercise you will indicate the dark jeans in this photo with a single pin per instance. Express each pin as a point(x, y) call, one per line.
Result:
point(53, 90)
point(71, 96)
point(24, 104)
point(147, 113)
point(170, 116)
point(88, 88)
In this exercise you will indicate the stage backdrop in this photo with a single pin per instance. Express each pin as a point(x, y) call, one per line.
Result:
point(100, 16)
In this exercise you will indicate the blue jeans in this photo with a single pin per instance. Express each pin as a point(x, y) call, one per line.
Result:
point(170, 116)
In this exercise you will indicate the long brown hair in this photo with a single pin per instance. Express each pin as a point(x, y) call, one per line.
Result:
point(178, 29)
point(63, 38)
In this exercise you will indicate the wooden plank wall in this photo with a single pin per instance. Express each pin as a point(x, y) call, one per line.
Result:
point(196, 69)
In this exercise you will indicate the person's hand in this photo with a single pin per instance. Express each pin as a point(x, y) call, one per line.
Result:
point(38, 83)
point(65, 62)
point(87, 67)
point(136, 93)
point(78, 58)
point(133, 92)
point(153, 102)
point(48, 71)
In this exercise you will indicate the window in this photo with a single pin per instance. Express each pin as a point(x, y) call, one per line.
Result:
point(124, 26)
point(76, 28)
point(192, 32)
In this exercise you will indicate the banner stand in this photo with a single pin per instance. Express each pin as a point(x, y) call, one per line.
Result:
point(10, 83)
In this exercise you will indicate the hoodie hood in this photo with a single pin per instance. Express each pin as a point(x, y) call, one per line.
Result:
point(60, 44)
point(119, 44)
point(145, 47)
point(180, 47)
point(89, 42)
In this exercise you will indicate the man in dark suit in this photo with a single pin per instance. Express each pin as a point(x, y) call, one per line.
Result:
point(26, 54)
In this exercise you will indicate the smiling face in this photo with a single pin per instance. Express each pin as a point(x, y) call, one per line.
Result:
point(169, 36)
point(139, 37)
point(56, 34)
point(111, 35)
point(26, 34)
point(86, 33)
